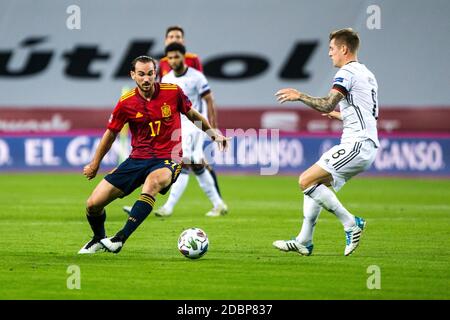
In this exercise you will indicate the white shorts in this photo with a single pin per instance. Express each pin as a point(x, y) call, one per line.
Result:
point(346, 160)
point(192, 142)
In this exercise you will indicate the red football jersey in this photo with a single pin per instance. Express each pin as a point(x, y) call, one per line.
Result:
point(155, 125)
point(191, 59)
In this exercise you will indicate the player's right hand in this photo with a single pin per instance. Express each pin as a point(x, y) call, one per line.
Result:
point(288, 94)
point(90, 171)
point(222, 141)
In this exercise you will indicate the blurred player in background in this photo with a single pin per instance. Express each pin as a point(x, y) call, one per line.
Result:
point(153, 112)
point(355, 91)
point(196, 87)
point(175, 34)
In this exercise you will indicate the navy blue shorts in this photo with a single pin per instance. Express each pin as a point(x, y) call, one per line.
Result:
point(131, 173)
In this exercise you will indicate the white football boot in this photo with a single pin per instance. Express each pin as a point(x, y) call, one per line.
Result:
point(293, 245)
point(113, 244)
point(162, 212)
point(353, 235)
point(92, 247)
point(218, 211)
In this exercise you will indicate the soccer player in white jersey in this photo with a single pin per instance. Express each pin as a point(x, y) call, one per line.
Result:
point(196, 87)
point(355, 92)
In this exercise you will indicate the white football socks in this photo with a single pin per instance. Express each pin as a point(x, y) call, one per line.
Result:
point(176, 191)
point(328, 200)
point(206, 182)
point(311, 211)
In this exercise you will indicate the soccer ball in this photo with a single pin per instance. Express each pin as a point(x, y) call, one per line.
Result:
point(193, 243)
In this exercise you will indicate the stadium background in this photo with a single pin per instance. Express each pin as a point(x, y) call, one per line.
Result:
point(58, 87)
point(59, 80)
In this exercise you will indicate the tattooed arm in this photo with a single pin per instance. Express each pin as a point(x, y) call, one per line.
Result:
point(324, 105)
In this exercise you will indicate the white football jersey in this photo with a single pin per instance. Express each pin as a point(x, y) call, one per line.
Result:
point(194, 85)
point(359, 109)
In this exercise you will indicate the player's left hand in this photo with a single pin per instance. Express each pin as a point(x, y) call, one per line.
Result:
point(287, 94)
point(333, 115)
point(222, 141)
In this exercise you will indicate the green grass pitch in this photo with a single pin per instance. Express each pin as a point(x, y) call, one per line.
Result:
point(43, 225)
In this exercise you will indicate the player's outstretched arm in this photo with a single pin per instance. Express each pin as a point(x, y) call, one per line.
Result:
point(324, 105)
point(90, 170)
point(214, 134)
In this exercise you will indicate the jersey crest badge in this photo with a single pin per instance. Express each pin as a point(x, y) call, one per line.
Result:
point(165, 110)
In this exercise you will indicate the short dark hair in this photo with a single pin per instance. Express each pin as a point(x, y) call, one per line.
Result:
point(348, 37)
point(174, 46)
point(172, 28)
point(143, 59)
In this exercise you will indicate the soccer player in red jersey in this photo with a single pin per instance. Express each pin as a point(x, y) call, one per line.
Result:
point(152, 111)
point(176, 34)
